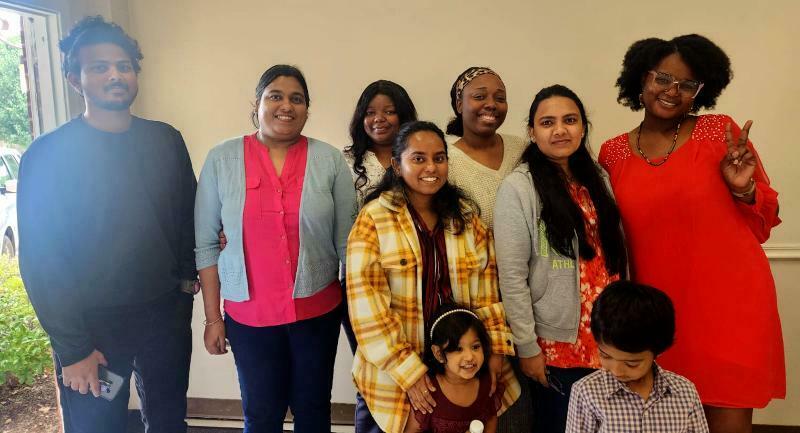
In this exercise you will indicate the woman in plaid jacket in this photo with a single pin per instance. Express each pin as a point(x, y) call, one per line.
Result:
point(399, 271)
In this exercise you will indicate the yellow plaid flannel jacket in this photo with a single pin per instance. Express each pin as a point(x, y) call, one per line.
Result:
point(384, 293)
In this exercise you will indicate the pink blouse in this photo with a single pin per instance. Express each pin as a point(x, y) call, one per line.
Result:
point(271, 235)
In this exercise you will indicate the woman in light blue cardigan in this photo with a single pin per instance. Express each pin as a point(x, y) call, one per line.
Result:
point(286, 203)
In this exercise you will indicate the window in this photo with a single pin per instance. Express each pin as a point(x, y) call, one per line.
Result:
point(30, 75)
point(13, 165)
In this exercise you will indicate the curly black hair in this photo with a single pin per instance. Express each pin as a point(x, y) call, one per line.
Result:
point(406, 112)
point(94, 30)
point(709, 64)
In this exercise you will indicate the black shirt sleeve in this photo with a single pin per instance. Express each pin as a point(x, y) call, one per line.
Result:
point(186, 262)
point(44, 247)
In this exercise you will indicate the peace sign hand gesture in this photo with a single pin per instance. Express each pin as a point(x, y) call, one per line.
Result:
point(739, 163)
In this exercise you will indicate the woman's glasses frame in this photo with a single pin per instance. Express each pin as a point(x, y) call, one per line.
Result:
point(664, 81)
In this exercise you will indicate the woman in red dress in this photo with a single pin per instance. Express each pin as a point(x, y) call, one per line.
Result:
point(696, 205)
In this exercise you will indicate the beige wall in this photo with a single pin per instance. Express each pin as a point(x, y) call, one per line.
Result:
point(202, 61)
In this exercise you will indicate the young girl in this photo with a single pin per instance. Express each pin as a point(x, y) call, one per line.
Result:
point(456, 354)
point(417, 243)
point(559, 244)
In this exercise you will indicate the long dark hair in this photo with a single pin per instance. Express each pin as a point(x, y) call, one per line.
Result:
point(561, 216)
point(406, 112)
point(448, 332)
point(450, 203)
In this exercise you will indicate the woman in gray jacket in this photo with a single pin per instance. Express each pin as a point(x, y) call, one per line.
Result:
point(559, 243)
point(287, 204)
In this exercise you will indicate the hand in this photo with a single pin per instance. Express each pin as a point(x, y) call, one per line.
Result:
point(534, 368)
point(420, 395)
point(495, 370)
point(223, 241)
point(82, 375)
point(214, 338)
point(739, 163)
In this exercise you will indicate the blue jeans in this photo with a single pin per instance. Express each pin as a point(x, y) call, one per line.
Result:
point(154, 342)
point(286, 366)
point(549, 406)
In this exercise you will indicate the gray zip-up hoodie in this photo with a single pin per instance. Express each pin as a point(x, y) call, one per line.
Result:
point(540, 287)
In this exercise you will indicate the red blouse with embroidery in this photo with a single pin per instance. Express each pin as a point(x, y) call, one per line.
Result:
point(594, 278)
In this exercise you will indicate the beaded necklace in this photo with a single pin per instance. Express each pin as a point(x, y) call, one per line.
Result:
point(672, 148)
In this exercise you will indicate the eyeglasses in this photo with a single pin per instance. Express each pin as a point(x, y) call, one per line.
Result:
point(663, 81)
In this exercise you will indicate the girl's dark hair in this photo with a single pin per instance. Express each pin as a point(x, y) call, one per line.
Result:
point(709, 64)
point(450, 203)
point(562, 217)
point(269, 76)
point(95, 30)
point(633, 318)
point(406, 112)
point(456, 125)
point(448, 333)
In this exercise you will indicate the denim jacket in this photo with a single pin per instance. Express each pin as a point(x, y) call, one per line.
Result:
point(327, 212)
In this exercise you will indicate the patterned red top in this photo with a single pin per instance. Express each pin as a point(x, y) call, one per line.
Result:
point(594, 278)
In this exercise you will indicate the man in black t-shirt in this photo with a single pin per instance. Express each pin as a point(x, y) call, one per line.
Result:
point(105, 212)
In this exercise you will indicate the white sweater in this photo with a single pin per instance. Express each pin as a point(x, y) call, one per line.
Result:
point(481, 182)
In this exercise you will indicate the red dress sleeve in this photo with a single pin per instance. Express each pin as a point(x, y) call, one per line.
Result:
point(762, 215)
point(612, 151)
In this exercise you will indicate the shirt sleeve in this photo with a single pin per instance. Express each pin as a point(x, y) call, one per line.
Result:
point(580, 418)
point(514, 251)
point(188, 189)
point(762, 214)
point(697, 418)
point(377, 328)
point(46, 261)
point(344, 202)
point(207, 216)
point(486, 302)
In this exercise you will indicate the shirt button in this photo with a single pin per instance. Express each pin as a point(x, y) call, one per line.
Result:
point(282, 212)
point(287, 262)
point(283, 236)
point(279, 190)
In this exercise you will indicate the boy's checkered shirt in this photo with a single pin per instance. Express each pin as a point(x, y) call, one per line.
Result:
point(601, 403)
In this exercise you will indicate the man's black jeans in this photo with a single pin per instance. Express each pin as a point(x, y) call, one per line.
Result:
point(154, 342)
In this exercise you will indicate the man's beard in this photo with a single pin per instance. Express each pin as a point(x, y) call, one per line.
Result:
point(114, 105)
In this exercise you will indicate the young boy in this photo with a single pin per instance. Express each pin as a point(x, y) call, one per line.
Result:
point(633, 324)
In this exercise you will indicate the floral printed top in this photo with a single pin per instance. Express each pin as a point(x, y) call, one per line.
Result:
point(594, 278)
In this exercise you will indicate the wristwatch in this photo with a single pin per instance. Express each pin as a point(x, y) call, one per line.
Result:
point(191, 287)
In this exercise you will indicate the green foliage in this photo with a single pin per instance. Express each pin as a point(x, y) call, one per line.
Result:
point(14, 124)
point(24, 346)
